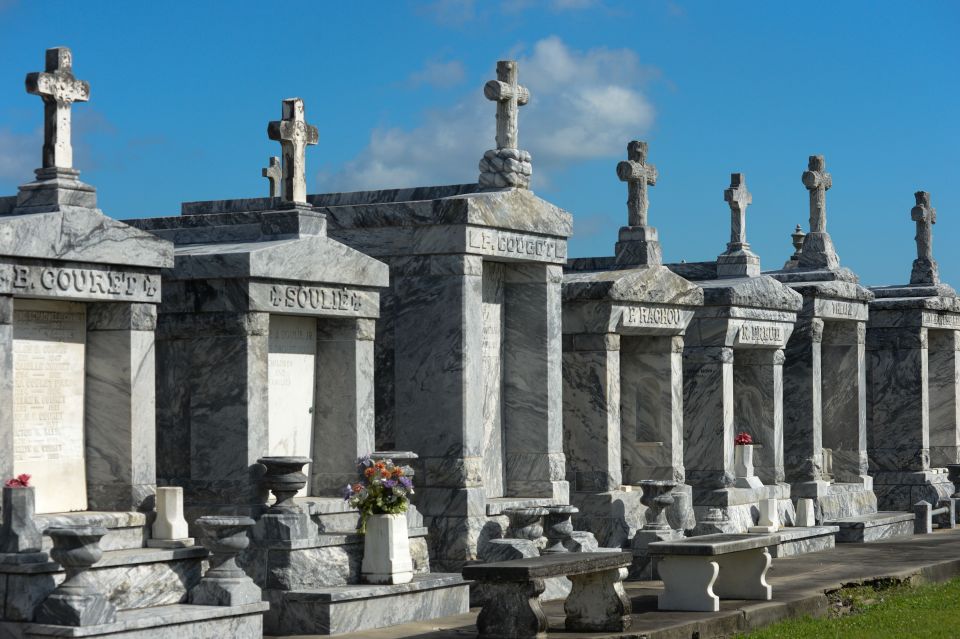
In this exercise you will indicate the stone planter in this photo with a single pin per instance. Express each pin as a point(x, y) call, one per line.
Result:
point(743, 467)
point(284, 478)
point(77, 601)
point(559, 528)
point(386, 550)
point(657, 497)
point(526, 523)
point(225, 583)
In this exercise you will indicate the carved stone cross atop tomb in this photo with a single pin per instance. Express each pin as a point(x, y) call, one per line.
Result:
point(274, 174)
point(59, 89)
point(925, 269)
point(818, 182)
point(739, 198)
point(637, 174)
point(509, 96)
point(294, 135)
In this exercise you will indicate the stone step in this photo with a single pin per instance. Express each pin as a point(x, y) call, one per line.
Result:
point(161, 622)
point(335, 610)
point(797, 540)
point(131, 578)
point(124, 529)
point(873, 527)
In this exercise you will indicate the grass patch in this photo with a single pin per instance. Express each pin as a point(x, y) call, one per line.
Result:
point(884, 610)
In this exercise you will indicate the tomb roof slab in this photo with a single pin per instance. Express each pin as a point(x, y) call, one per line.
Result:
point(758, 292)
point(651, 284)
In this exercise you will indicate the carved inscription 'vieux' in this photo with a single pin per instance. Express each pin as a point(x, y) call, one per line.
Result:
point(82, 282)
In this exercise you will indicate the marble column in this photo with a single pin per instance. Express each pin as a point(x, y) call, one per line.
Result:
point(120, 425)
point(943, 366)
point(439, 395)
point(343, 402)
point(532, 380)
point(844, 398)
point(899, 402)
point(6, 386)
point(758, 401)
point(802, 416)
point(652, 408)
point(591, 398)
point(708, 416)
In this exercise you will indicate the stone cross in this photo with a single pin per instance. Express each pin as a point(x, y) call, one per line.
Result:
point(274, 174)
point(294, 135)
point(739, 198)
point(637, 174)
point(925, 270)
point(59, 89)
point(509, 96)
point(818, 182)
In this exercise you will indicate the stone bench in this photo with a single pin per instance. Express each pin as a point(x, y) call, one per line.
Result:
point(698, 571)
point(597, 601)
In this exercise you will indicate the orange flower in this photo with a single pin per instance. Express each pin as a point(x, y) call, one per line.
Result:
point(369, 472)
point(380, 465)
point(385, 473)
point(397, 471)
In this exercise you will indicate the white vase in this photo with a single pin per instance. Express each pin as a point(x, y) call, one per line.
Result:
point(386, 550)
point(743, 461)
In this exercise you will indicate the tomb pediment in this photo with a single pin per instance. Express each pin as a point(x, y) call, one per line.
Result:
point(760, 292)
point(81, 235)
point(653, 284)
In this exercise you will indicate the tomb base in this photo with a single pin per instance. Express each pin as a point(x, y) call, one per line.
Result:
point(644, 566)
point(901, 490)
point(874, 527)
point(160, 622)
point(736, 510)
point(838, 500)
point(340, 609)
point(801, 540)
point(614, 517)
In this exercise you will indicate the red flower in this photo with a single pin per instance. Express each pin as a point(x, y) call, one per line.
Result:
point(24, 479)
point(20, 481)
point(743, 439)
point(369, 472)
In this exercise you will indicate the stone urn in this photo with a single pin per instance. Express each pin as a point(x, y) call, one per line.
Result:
point(743, 466)
point(559, 528)
point(284, 478)
point(77, 601)
point(386, 550)
point(657, 497)
point(225, 583)
point(526, 523)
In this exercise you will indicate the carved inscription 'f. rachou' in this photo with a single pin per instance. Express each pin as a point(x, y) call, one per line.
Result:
point(739, 198)
point(509, 96)
point(274, 174)
point(818, 182)
point(638, 174)
point(294, 135)
point(59, 89)
point(925, 269)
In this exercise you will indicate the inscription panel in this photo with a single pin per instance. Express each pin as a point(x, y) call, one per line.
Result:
point(314, 300)
point(761, 334)
point(654, 319)
point(941, 320)
point(519, 246)
point(291, 371)
point(838, 309)
point(78, 283)
point(48, 400)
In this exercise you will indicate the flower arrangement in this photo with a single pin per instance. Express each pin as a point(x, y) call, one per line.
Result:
point(743, 439)
point(20, 481)
point(384, 489)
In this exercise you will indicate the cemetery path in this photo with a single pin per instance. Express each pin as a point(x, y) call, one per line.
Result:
point(800, 587)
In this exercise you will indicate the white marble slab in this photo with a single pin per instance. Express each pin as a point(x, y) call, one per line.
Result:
point(49, 343)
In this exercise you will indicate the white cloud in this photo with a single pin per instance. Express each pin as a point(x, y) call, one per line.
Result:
point(19, 155)
point(449, 12)
point(439, 74)
point(583, 105)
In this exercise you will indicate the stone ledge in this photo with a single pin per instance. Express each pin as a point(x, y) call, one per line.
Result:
point(142, 619)
point(334, 594)
point(112, 558)
point(712, 545)
point(544, 566)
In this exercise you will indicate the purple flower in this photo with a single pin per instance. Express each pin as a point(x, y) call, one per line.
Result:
point(390, 483)
point(347, 492)
point(405, 482)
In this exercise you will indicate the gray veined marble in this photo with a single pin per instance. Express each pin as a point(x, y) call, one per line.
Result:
point(912, 341)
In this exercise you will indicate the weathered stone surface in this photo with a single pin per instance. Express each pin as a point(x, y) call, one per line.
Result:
point(294, 135)
point(738, 260)
point(59, 89)
point(507, 165)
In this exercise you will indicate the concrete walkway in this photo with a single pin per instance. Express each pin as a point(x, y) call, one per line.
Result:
point(799, 587)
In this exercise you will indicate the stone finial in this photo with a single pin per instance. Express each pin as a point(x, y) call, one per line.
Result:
point(638, 174)
point(294, 135)
point(59, 89)
point(797, 239)
point(925, 269)
point(738, 260)
point(507, 165)
point(274, 174)
point(509, 95)
point(739, 198)
point(818, 251)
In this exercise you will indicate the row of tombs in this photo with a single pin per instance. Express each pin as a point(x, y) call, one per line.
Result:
point(205, 351)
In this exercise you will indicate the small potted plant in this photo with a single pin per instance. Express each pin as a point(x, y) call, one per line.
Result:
point(382, 496)
point(743, 461)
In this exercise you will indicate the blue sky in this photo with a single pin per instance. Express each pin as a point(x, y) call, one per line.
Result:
point(182, 92)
